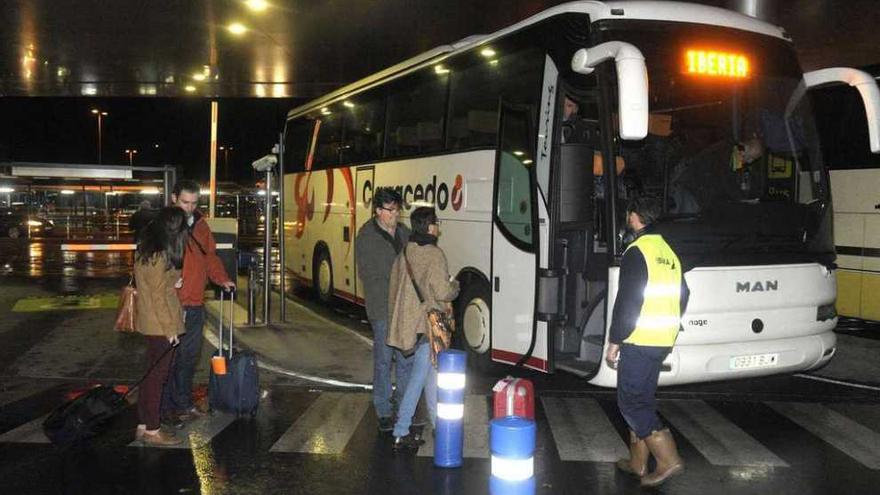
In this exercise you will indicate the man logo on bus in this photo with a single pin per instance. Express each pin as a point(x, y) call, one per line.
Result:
point(432, 193)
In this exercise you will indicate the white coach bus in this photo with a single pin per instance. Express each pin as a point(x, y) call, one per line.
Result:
point(508, 134)
point(855, 187)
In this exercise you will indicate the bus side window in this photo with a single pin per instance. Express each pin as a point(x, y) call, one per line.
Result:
point(416, 114)
point(364, 128)
point(329, 142)
point(477, 83)
point(297, 138)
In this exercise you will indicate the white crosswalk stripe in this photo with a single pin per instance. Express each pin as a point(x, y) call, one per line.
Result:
point(30, 432)
point(582, 430)
point(853, 439)
point(720, 441)
point(476, 430)
point(326, 426)
point(198, 432)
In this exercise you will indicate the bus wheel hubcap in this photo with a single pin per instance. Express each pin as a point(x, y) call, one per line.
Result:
point(324, 277)
point(475, 322)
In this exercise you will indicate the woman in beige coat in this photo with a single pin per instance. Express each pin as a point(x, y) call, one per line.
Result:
point(158, 262)
point(408, 323)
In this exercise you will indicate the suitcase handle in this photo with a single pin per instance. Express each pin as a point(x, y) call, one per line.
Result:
point(231, 317)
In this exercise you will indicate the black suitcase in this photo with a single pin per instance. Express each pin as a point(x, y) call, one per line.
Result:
point(82, 418)
point(238, 390)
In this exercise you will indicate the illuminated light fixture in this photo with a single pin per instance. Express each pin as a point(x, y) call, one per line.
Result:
point(147, 90)
point(325, 111)
point(198, 76)
point(34, 223)
point(6, 190)
point(257, 5)
point(204, 191)
point(717, 64)
point(493, 62)
point(189, 88)
point(237, 28)
point(439, 69)
point(111, 193)
point(527, 162)
point(348, 104)
point(488, 52)
point(150, 191)
point(89, 90)
point(67, 192)
point(518, 153)
point(62, 71)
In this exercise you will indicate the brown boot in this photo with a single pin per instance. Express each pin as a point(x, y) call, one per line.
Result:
point(158, 438)
point(662, 446)
point(637, 463)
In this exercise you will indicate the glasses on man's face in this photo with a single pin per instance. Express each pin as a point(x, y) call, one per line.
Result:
point(390, 210)
point(437, 222)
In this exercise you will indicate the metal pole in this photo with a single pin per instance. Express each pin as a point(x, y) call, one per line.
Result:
point(212, 202)
point(267, 251)
point(281, 203)
point(99, 138)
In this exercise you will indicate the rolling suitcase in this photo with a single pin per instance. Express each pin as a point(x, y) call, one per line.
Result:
point(88, 414)
point(234, 387)
point(514, 397)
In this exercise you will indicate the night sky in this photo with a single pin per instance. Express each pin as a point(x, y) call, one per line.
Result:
point(64, 130)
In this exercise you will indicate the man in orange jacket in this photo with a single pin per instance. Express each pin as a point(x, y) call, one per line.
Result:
point(200, 263)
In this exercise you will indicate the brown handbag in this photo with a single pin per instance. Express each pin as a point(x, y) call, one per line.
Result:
point(126, 312)
point(440, 323)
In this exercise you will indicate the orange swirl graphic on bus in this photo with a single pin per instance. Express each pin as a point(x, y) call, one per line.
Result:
point(305, 206)
point(457, 194)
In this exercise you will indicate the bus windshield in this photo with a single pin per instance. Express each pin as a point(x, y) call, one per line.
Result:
point(738, 166)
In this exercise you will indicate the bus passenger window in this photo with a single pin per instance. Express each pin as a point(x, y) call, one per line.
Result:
point(364, 128)
point(416, 114)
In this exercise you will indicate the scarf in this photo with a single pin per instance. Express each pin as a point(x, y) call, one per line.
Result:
point(423, 239)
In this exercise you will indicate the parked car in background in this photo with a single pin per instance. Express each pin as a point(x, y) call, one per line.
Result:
point(15, 224)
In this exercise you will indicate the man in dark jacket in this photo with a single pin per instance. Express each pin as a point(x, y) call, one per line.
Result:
point(651, 297)
point(200, 263)
point(376, 246)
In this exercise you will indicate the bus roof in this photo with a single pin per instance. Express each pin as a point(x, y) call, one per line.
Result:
point(598, 11)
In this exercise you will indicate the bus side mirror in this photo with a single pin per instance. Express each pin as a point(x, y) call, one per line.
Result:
point(632, 83)
point(864, 83)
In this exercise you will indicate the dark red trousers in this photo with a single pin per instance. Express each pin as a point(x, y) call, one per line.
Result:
point(150, 391)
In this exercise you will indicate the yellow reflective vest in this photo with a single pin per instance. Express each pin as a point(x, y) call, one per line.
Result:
point(660, 317)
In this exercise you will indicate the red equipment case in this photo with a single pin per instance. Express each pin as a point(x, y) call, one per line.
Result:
point(514, 397)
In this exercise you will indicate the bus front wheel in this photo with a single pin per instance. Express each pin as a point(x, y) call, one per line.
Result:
point(322, 275)
point(473, 318)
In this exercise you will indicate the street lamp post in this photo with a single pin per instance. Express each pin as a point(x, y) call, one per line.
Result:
point(100, 114)
point(131, 153)
point(226, 150)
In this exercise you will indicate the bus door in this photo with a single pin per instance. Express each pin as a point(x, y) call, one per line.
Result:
point(578, 263)
point(515, 246)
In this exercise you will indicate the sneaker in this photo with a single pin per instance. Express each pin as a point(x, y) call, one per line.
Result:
point(159, 439)
point(172, 420)
point(386, 424)
point(191, 414)
point(409, 443)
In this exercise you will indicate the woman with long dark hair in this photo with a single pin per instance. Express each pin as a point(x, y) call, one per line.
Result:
point(157, 269)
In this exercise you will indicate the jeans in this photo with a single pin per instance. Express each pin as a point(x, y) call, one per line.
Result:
point(382, 360)
point(151, 389)
point(178, 393)
point(422, 376)
point(637, 374)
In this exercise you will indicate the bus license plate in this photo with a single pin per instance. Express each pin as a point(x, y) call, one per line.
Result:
point(754, 361)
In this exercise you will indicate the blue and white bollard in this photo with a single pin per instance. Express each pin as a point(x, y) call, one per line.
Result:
point(449, 431)
point(512, 445)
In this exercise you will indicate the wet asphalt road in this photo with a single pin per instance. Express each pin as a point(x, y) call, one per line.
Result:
point(783, 434)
